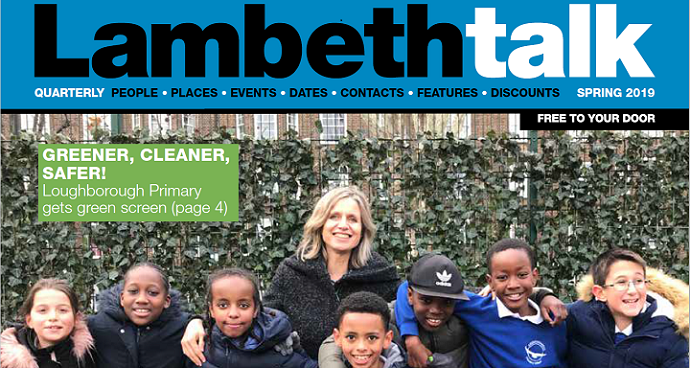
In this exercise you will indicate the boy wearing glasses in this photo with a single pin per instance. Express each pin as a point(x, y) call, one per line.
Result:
point(627, 324)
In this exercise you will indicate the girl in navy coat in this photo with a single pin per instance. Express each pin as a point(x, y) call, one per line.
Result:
point(140, 323)
point(243, 333)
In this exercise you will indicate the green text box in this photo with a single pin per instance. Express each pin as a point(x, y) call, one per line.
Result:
point(125, 182)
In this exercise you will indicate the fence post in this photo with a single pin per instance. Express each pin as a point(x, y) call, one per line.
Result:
point(532, 195)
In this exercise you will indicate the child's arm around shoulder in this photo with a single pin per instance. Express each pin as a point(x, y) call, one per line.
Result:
point(330, 355)
point(193, 341)
point(418, 354)
point(404, 314)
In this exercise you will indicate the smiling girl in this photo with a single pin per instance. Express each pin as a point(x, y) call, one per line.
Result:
point(54, 333)
point(140, 322)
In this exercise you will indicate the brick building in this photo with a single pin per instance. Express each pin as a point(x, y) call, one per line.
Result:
point(260, 126)
point(81, 127)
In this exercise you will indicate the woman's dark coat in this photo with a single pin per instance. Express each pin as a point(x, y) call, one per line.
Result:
point(305, 292)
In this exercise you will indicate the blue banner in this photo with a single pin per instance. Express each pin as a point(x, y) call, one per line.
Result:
point(220, 55)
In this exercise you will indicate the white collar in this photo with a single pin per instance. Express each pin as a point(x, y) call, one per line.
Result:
point(627, 331)
point(503, 311)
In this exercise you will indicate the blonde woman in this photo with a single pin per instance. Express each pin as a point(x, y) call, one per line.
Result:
point(334, 259)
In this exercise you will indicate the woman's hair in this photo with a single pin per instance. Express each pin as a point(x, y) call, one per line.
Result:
point(312, 242)
point(49, 284)
point(231, 272)
point(164, 278)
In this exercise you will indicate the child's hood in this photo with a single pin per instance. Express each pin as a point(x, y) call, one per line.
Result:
point(16, 355)
point(673, 290)
point(109, 302)
point(275, 325)
point(393, 357)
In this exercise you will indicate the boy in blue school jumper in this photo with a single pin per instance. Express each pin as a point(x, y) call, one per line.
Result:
point(509, 331)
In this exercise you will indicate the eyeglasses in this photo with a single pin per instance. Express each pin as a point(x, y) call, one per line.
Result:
point(623, 285)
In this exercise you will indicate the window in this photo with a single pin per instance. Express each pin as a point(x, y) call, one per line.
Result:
point(189, 123)
point(459, 185)
point(343, 180)
point(458, 124)
point(136, 122)
point(93, 122)
point(292, 122)
point(380, 120)
point(653, 133)
point(334, 126)
point(39, 123)
point(466, 128)
point(239, 125)
point(519, 179)
point(265, 126)
point(575, 134)
point(644, 133)
point(159, 124)
point(514, 126)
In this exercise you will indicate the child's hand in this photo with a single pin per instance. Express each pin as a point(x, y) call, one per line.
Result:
point(556, 307)
point(287, 346)
point(417, 353)
point(486, 291)
point(442, 361)
point(193, 341)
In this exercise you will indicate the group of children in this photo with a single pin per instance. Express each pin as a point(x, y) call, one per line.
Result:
point(435, 322)
point(140, 323)
point(639, 317)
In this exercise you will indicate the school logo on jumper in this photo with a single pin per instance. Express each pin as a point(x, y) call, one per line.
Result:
point(536, 351)
point(444, 278)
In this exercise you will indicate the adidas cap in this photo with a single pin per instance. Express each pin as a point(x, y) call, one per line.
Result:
point(436, 275)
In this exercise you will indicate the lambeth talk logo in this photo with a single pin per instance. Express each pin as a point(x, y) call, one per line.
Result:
point(536, 351)
point(444, 278)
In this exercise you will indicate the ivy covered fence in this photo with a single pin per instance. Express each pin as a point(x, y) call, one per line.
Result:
point(571, 198)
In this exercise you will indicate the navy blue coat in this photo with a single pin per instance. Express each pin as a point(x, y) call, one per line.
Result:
point(122, 344)
point(653, 343)
point(271, 327)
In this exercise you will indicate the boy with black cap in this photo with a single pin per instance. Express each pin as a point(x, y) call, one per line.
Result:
point(435, 286)
point(433, 289)
point(508, 331)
